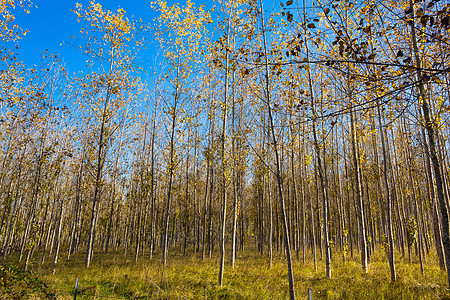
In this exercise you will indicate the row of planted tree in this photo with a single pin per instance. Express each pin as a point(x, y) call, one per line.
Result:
point(315, 130)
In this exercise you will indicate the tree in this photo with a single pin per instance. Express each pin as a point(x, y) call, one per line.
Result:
point(106, 42)
point(179, 33)
point(278, 174)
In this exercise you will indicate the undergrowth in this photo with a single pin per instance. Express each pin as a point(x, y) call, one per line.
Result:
point(18, 284)
point(114, 276)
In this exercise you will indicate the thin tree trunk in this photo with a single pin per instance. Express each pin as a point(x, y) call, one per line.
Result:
point(358, 193)
point(431, 130)
point(320, 167)
point(12, 215)
point(235, 179)
point(222, 155)
point(58, 234)
point(387, 187)
point(277, 164)
point(164, 249)
point(102, 143)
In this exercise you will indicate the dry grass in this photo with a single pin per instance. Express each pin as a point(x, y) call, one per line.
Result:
point(113, 276)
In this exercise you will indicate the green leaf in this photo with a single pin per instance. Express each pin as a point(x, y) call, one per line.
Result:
point(289, 2)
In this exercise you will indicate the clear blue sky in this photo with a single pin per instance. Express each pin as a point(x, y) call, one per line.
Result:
point(52, 22)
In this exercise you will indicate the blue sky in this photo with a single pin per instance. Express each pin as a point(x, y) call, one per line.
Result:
point(52, 22)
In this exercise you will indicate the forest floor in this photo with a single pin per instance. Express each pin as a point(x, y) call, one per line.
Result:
point(113, 276)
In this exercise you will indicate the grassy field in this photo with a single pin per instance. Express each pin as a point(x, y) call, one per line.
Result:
point(114, 276)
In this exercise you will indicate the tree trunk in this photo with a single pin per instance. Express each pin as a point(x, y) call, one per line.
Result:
point(171, 170)
point(58, 234)
point(431, 131)
point(358, 193)
point(277, 165)
point(387, 187)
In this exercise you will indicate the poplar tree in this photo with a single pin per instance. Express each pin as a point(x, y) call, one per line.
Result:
point(107, 41)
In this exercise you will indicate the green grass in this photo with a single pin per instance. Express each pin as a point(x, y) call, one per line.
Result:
point(17, 284)
point(113, 276)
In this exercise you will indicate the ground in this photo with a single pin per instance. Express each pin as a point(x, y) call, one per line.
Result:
point(115, 276)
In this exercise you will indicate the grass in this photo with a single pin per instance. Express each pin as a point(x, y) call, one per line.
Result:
point(17, 284)
point(113, 276)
